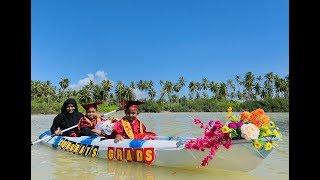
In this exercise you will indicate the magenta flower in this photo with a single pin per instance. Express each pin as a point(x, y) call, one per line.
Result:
point(196, 121)
point(239, 124)
point(233, 125)
point(211, 139)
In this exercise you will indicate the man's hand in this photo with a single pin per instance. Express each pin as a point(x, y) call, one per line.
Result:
point(118, 138)
point(58, 131)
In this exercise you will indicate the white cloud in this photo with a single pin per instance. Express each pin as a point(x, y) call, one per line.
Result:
point(97, 78)
point(140, 95)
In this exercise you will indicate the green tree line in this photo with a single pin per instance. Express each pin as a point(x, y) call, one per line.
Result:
point(269, 91)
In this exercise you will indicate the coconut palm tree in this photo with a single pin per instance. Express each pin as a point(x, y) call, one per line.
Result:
point(192, 88)
point(128, 93)
point(277, 82)
point(120, 91)
point(222, 90)
point(132, 85)
point(286, 94)
point(106, 87)
point(152, 93)
point(248, 84)
point(240, 82)
point(181, 81)
point(268, 84)
point(257, 89)
point(174, 98)
point(204, 86)
point(214, 88)
point(232, 89)
point(168, 88)
point(83, 96)
point(64, 83)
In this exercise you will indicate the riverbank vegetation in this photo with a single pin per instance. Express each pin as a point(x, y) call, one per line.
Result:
point(269, 91)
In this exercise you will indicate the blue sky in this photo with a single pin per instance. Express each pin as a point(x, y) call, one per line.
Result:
point(158, 40)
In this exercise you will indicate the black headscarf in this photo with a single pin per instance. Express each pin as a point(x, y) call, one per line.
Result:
point(65, 104)
point(71, 116)
point(64, 119)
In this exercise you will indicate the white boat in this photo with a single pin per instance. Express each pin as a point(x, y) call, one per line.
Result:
point(163, 151)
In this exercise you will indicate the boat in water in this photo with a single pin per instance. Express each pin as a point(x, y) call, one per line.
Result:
point(165, 151)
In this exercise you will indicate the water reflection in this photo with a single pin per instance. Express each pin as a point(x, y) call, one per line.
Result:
point(93, 168)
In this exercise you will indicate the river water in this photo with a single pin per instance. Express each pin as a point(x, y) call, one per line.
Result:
point(48, 163)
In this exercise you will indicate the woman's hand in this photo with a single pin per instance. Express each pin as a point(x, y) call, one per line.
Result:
point(58, 131)
point(118, 138)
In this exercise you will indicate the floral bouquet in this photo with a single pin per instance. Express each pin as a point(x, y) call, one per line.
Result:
point(253, 126)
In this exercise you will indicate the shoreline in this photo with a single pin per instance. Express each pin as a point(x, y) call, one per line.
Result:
point(162, 112)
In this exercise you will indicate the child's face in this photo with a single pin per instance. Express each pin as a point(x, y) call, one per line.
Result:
point(91, 113)
point(131, 114)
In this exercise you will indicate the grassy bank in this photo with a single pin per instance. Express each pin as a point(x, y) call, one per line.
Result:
point(199, 105)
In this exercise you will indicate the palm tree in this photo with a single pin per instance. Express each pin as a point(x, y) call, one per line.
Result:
point(174, 98)
point(240, 84)
point(257, 89)
point(198, 90)
point(142, 85)
point(84, 96)
point(222, 90)
point(98, 93)
point(205, 95)
point(239, 95)
point(232, 88)
point(205, 85)
point(132, 85)
point(152, 93)
point(214, 88)
point(64, 83)
point(149, 85)
point(248, 84)
point(286, 94)
point(120, 91)
point(106, 86)
point(168, 88)
point(268, 84)
point(43, 90)
point(128, 93)
point(277, 82)
point(176, 88)
point(192, 88)
point(162, 92)
point(181, 81)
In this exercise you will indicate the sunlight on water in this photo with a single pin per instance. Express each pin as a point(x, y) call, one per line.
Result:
point(48, 163)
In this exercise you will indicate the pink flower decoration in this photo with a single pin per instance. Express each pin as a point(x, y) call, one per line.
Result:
point(232, 125)
point(239, 124)
point(212, 139)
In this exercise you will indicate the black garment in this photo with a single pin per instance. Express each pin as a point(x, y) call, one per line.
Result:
point(65, 120)
point(86, 131)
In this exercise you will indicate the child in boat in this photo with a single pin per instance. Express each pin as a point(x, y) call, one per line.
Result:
point(93, 124)
point(130, 127)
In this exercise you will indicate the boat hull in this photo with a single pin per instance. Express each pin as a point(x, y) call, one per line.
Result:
point(164, 151)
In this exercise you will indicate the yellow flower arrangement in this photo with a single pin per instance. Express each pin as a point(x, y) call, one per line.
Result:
point(257, 144)
point(268, 146)
point(225, 129)
point(272, 124)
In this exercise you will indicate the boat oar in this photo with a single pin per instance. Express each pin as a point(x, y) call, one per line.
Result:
point(39, 140)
